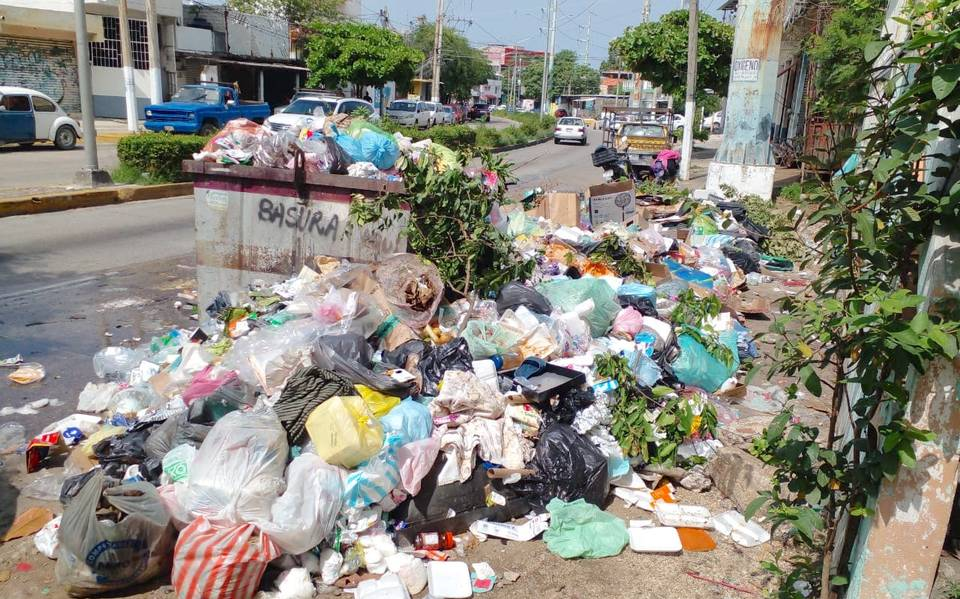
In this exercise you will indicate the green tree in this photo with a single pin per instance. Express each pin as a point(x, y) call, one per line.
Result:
point(842, 77)
point(294, 11)
point(567, 76)
point(463, 67)
point(612, 62)
point(658, 50)
point(358, 53)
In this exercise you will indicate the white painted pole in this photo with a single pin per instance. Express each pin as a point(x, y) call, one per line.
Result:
point(126, 57)
point(686, 149)
point(437, 50)
point(153, 53)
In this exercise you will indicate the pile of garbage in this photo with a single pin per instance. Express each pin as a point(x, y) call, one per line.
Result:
point(339, 145)
point(358, 426)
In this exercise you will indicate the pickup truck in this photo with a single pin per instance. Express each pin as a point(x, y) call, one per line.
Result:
point(203, 108)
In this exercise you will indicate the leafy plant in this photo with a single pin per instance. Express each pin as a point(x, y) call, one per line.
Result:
point(358, 53)
point(865, 323)
point(568, 76)
point(670, 193)
point(783, 239)
point(156, 157)
point(448, 224)
point(615, 253)
point(294, 11)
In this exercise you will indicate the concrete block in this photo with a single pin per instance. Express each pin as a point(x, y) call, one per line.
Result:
point(739, 475)
point(745, 178)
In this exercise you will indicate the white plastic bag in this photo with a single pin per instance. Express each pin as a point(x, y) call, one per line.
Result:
point(306, 512)
point(96, 397)
point(238, 471)
point(46, 539)
point(267, 357)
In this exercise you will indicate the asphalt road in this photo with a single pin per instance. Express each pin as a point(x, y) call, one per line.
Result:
point(43, 167)
point(73, 282)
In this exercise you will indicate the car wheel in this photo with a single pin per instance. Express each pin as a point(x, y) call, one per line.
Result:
point(583, 142)
point(65, 138)
point(555, 140)
point(209, 129)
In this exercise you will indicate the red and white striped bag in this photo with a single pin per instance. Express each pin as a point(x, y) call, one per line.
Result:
point(220, 563)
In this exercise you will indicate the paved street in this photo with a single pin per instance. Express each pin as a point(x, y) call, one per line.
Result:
point(67, 279)
point(43, 167)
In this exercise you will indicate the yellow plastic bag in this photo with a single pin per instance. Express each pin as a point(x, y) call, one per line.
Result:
point(379, 403)
point(345, 431)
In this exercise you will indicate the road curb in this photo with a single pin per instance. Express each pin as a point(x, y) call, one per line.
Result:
point(519, 146)
point(87, 198)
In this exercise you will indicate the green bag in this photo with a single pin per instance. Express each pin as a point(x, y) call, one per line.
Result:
point(486, 339)
point(567, 294)
point(581, 529)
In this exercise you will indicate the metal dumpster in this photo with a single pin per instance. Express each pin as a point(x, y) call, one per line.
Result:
point(255, 223)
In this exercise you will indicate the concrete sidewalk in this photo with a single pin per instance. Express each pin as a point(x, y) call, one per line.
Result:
point(113, 130)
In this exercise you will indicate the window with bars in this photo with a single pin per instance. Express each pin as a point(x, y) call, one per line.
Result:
point(107, 52)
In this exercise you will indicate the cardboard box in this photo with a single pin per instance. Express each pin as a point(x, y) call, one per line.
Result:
point(613, 202)
point(561, 208)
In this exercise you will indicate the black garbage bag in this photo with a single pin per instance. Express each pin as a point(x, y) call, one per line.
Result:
point(230, 396)
point(513, 295)
point(568, 466)
point(564, 407)
point(73, 484)
point(351, 346)
point(407, 355)
point(643, 305)
point(438, 359)
point(745, 254)
point(307, 388)
point(327, 357)
point(174, 431)
point(754, 231)
point(116, 453)
point(220, 303)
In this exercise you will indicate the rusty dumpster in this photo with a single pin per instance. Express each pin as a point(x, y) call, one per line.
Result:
point(255, 223)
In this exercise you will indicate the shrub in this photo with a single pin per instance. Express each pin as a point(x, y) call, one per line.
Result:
point(487, 137)
point(158, 154)
point(452, 136)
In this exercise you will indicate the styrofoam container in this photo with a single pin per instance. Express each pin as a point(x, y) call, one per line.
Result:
point(675, 514)
point(448, 580)
point(388, 586)
point(746, 534)
point(655, 539)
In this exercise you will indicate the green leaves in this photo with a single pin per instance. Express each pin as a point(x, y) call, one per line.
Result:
point(945, 80)
point(810, 380)
point(358, 53)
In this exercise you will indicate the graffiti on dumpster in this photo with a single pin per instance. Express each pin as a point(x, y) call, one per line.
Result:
point(298, 217)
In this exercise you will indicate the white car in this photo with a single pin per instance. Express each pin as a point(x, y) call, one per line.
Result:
point(410, 113)
point(435, 111)
point(445, 115)
point(28, 116)
point(570, 128)
point(309, 108)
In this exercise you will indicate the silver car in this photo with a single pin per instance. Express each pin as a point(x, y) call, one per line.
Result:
point(412, 113)
point(570, 128)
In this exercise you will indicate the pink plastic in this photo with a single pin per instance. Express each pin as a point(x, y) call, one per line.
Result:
point(628, 322)
point(415, 460)
point(203, 384)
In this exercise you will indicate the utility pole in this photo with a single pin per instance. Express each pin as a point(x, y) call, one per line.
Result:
point(437, 49)
point(90, 174)
point(586, 50)
point(548, 59)
point(153, 53)
point(686, 149)
point(126, 58)
point(645, 14)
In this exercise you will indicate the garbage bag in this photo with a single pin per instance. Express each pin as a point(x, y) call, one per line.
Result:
point(379, 403)
point(464, 396)
point(487, 339)
point(344, 431)
point(379, 149)
point(569, 403)
point(98, 555)
point(307, 388)
point(567, 294)
point(578, 529)
point(211, 562)
point(351, 147)
point(119, 451)
point(267, 356)
point(412, 287)
point(327, 357)
point(745, 254)
point(373, 480)
point(409, 420)
point(206, 382)
point(438, 359)
point(415, 460)
point(695, 366)
point(513, 295)
point(352, 346)
point(238, 471)
point(628, 323)
point(568, 467)
point(174, 431)
point(306, 512)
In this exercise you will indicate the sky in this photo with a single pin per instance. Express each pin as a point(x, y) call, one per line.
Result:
point(523, 22)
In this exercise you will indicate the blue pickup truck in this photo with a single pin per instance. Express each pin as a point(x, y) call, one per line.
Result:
point(203, 108)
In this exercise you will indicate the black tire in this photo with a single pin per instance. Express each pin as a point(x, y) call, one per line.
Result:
point(65, 138)
point(556, 141)
point(584, 142)
point(209, 128)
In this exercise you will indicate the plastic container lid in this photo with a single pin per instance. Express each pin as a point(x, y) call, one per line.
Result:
point(657, 539)
point(449, 580)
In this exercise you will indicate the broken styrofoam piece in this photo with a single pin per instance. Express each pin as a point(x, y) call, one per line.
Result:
point(689, 516)
point(640, 498)
point(513, 532)
point(655, 539)
point(743, 533)
point(630, 480)
point(449, 580)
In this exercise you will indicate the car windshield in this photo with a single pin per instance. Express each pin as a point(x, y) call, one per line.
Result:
point(203, 95)
point(571, 121)
point(403, 106)
point(638, 130)
point(480, 106)
point(309, 105)
point(447, 109)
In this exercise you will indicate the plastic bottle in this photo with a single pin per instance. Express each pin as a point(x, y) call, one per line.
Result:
point(508, 361)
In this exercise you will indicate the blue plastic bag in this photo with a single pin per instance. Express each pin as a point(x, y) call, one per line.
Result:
point(410, 421)
point(374, 479)
point(379, 149)
point(351, 146)
point(638, 290)
point(697, 367)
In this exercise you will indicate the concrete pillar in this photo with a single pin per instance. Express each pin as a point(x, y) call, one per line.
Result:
point(745, 159)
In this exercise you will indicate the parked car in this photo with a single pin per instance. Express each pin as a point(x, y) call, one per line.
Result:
point(570, 129)
point(310, 107)
point(203, 108)
point(307, 93)
point(560, 113)
point(411, 113)
point(436, 113)
point(459, 113)
point(28, 116)
point(479, 112)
